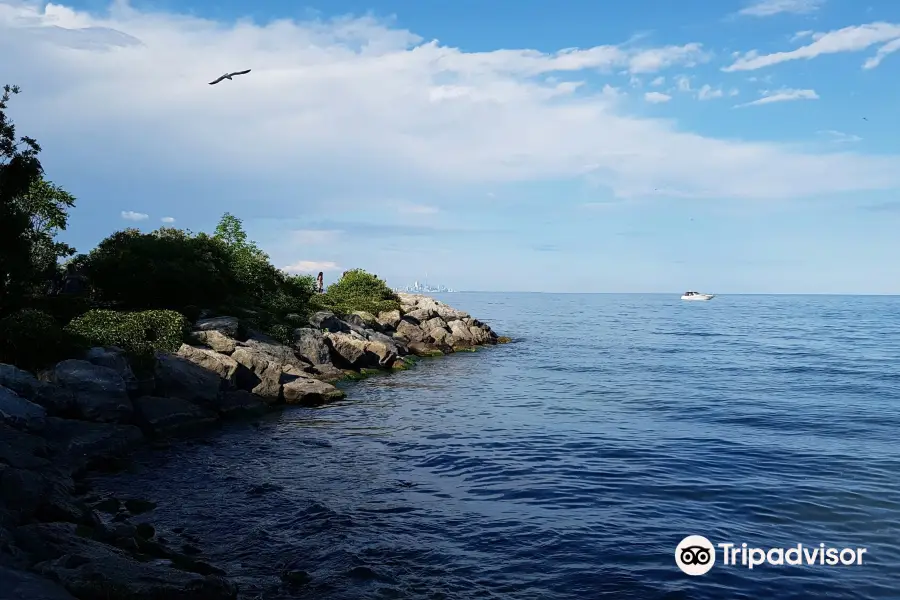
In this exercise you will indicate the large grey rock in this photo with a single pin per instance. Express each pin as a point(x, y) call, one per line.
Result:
point(22, 585)
point(432, 323)
point(328, 373)
point(112, 358)
point(81, 444)
point(221, 364)
point(310, 391)
point(448, 313)
point(55, 400)
point(177, 377)
point(420, 315)
point(389, 319)
point(215, 339)
point(99, 392)
point(228, 326)
point(46, 494)
point(410, 332)
point(20, 413)
point(165, 416)
point(241, 404)
point(23, 450)
point(326, 320)
point(460, 334)
point(310, 345)
point(346, 349)
point(90, 569)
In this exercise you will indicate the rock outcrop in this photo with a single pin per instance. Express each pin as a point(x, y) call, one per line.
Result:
point(92, 412)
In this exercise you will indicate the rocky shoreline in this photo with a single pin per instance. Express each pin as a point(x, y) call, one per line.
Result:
point(59, 542)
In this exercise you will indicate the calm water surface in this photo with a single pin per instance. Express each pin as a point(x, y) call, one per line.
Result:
point(569, 465)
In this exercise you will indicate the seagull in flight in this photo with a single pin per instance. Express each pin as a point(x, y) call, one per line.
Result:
point(229, 76)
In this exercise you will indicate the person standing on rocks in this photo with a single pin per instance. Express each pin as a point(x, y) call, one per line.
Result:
point(320, 283)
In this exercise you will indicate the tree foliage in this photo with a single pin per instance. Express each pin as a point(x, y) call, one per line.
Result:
point(359, 290)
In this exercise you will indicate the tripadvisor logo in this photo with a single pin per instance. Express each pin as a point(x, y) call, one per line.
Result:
point(696, 555)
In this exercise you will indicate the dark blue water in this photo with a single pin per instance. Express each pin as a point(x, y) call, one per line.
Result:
point(571, 463)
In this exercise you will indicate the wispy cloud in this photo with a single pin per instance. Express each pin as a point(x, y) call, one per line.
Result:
point(658, 81)
point(839, 137)
point(683, 83)
point(888, 206)
point(848, 39)
point(768, 8)
point(130, 215)
point(782, 95)
point(708, 93)
point(656, 97)
point(168, 219)
point(311, 266)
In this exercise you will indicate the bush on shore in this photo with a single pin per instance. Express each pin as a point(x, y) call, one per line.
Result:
point(139, 334)
point(32, 339)
point(359, 290)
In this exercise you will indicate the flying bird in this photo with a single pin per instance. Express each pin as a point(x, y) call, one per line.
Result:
point(229, 76)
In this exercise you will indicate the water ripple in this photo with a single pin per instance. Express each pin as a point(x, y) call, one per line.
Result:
point(568, 465)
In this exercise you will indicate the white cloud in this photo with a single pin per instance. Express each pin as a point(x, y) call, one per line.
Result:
point(768, 8)
point(168, 219)
point(315, 236)
point(840, 137)
point(656, 97)
point(683, 83)
point(130, 215)
point(658, 81)
point(888, 48)
point(356, 102)
point(310, 266)
point(734, 92)
point(783, 95)
point(848, 39)
point(708, 93)
point(801, 35)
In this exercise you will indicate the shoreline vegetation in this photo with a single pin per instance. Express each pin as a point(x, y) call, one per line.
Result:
point(151, 336)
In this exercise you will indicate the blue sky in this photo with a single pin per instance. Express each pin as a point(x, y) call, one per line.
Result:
point(729, 146)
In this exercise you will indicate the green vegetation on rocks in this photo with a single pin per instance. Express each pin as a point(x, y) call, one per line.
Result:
point(140, 334)
point(359, 291)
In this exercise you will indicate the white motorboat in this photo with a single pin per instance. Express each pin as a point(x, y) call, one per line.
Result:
point(697, 296)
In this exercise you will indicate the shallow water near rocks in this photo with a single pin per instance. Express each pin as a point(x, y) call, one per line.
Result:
point(571, 463)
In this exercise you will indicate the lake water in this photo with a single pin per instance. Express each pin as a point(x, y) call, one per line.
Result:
point(569, 465)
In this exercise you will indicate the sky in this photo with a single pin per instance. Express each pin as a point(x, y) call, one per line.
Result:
point(733, 146)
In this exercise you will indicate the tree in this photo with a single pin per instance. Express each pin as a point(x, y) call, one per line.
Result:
point(47, 204)
point(250, 265)
point(19, 170)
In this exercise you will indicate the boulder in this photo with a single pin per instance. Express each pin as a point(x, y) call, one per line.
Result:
point(383, 354)
point(19, 412)
point(326, 320)
point(328, 373)
point(56, 401)
point(310, 345)
point(214, 339)
point(241, 404)
point(23, 450)
point(424, 349)
point(346, 349)
point(45, 494)
point(310, 391)
point(227, 326)
point(221, 364)
point(460, 334)
point(367, 320)
point(178, 377)
point(166, 416)
point(432, 323)
point(389, 319)
point(99, 392)
point(22, 585)
point(448, 313)
point(88, 568)
point(81, 444)
point(440, 336)
point(420, 315)
point(112, 358)
point(410, 332)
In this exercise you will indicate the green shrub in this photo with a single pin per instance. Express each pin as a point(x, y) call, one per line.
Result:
point(282, 333)
point(358, 290)
point(140, 334)
point(168, 268)
point(31, 339)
